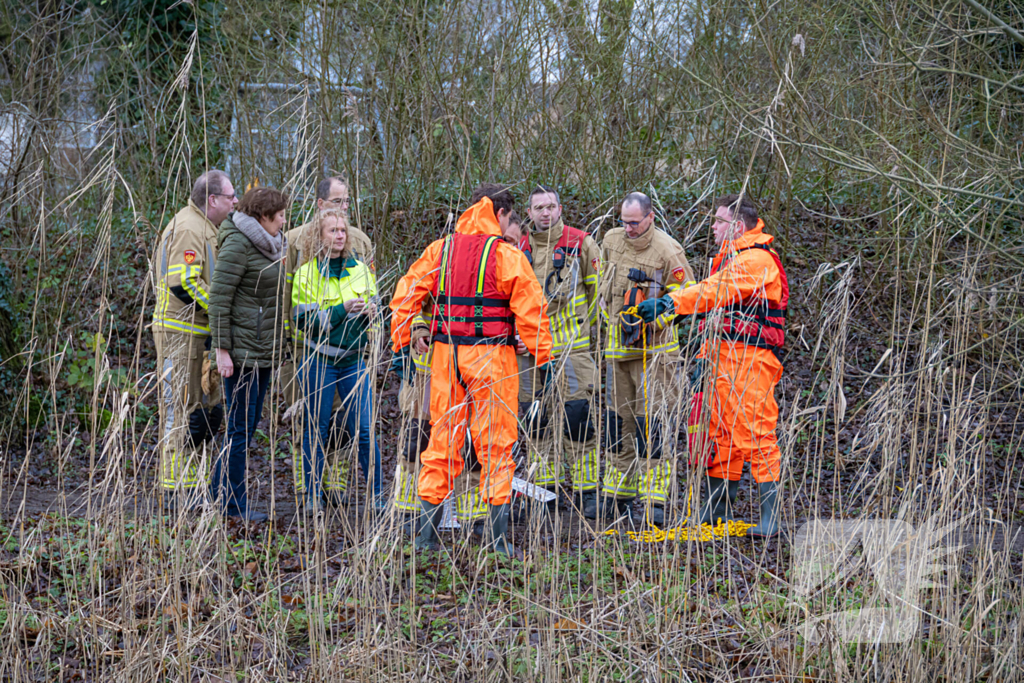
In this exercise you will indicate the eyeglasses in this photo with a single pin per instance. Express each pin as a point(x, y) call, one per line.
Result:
point(339, 201)
point(218, 194)
point(634, 224)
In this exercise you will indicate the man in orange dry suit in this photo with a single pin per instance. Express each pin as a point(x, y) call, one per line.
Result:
point(746, 296)
point(483, 291)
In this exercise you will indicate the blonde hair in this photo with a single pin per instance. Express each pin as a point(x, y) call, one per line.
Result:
point(312, 245)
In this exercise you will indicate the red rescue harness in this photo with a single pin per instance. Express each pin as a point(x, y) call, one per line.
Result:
point(755, 320)
point(568, 245)
point(470, 310)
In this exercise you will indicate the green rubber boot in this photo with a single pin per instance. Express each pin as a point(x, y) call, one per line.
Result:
point(717, 500)
point(771, 507)
point(429, 523)
point(498, 515)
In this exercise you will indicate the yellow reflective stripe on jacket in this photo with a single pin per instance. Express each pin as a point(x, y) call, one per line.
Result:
point(565, 327)
point(190, 281)
point(617, 351)
point(179, 326)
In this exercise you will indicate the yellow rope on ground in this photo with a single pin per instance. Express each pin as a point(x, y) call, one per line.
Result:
point(704, 533)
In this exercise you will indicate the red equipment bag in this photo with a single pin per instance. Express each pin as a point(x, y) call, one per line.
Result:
point(698, 441)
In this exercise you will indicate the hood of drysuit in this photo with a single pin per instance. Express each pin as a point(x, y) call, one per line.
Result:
point(755, 235)
point(479, 219)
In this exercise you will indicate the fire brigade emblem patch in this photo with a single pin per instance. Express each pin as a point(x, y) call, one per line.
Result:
point(190, 256)
point(679, 273)
point(596, 263)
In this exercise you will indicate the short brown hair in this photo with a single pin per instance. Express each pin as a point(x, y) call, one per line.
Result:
point(744, 209)
point(498, 194)
point(514, 219)
point(640, 199)
point(323, 188)
point(263, 202)
point(210, 183)
point(543, 189)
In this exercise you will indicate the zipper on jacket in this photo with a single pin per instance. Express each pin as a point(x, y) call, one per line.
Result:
point(259, 323)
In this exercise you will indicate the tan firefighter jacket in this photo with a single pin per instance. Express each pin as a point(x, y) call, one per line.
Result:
point(182, 271)
point(663, 260)
point(570, 291)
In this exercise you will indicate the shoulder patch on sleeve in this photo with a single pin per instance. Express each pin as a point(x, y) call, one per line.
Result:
point(679, 273)
point(596, 263)
point(190, 256)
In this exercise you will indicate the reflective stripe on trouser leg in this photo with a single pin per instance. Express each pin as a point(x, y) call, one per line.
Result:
point(545, 474)
point(584, 472)
point(180, 358)
point(470, 506)
point(336, 469)
point(406, 499)
point(336, 473)
point(655, 482)
point(181, 469)
point(299, 480)
point(617, 483)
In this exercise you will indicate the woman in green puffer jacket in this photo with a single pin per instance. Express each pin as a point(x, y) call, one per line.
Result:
point(245, 304)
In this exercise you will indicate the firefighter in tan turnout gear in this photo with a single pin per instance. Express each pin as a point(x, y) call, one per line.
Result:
point(567, 263)
point(641, 262)
point(190, 404)
point(332, 195)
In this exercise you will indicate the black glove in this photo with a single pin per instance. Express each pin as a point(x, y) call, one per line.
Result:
point(632, 327)
point(638, 276)
point(547, 372)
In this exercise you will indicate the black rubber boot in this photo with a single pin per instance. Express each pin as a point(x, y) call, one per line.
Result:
point(250, 516)
point(588, 501)
point(430, 522)
point(654, 514)
point(771, 506)
point(717, 501)
point(198, 429)
point(214, 419)
point(498, 524)
point(614, 509)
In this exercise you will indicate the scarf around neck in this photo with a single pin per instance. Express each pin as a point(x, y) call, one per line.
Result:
point(271, 247)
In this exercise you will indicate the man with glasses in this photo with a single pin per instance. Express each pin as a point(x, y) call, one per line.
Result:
point(331, 195)
point(567, 263)
point(190, 392)
point(641, 262)
point(749, 290)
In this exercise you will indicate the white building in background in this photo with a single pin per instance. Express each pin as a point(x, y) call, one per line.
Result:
point(68, 138)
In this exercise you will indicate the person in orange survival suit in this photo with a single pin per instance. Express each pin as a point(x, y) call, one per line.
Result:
point(747, 292)
point(484, 290)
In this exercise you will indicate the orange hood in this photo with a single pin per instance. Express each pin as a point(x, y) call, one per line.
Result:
point(479, 219)
point(755, 235)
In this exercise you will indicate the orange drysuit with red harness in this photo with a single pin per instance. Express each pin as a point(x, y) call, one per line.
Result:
point(484, 290)
point(743, 305)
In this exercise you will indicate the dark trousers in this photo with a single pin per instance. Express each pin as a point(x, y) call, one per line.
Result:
point(245, 390)
point(321, 380)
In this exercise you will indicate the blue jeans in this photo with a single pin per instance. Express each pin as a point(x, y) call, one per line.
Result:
point(353, 384)
point(245, 391)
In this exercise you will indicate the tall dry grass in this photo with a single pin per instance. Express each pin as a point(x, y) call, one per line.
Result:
point(882, 142)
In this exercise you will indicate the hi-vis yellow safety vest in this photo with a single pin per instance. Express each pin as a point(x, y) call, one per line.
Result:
point(315, 293)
